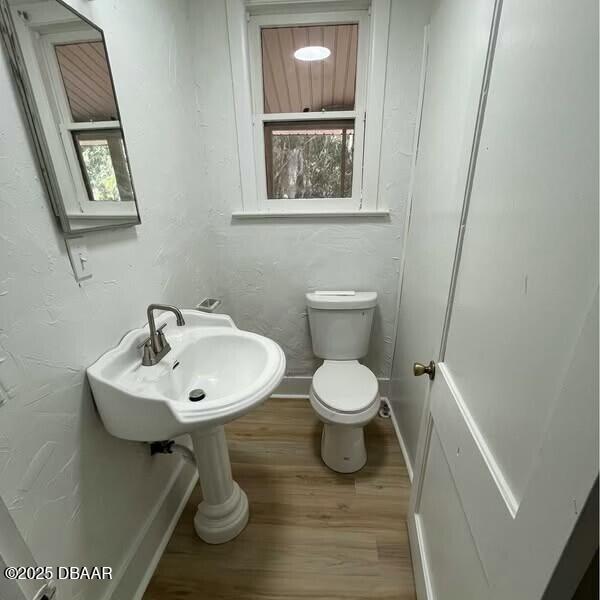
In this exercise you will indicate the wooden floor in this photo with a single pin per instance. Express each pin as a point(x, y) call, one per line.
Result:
point(312, 533)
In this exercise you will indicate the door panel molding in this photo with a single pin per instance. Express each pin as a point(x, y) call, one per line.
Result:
point(462, 433)
point(485, 495)
point(442, 522)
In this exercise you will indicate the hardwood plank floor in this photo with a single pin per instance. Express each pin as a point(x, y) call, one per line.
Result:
point(312, 533)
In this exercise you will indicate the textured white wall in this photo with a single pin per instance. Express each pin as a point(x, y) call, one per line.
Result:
point(264, 267)
point(79, 496)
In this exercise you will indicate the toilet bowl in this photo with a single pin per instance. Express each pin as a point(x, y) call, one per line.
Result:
point(344, 393)
point(345, 396)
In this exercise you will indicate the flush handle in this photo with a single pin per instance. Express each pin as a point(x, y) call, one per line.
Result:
point(420, 369)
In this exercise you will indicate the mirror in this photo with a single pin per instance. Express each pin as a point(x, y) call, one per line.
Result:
point(62, 73)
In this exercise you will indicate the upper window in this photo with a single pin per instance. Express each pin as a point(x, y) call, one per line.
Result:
point(309, 69)
point(307, 98)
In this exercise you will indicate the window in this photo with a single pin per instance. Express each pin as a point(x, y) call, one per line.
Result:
point(306, 99)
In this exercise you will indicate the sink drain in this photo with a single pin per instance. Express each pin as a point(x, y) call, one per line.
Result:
point(197, 395)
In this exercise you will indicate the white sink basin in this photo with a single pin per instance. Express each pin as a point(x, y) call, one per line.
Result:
point(236, 369)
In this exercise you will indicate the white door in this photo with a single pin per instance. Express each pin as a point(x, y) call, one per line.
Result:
point(456, 57)
point(508, 451)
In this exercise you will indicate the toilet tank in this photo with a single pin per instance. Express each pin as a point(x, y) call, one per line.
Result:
point(340, 326)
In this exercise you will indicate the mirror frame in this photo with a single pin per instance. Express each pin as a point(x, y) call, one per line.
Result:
point(34, 124)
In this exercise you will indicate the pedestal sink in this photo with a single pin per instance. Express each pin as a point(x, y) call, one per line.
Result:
point(213, 374)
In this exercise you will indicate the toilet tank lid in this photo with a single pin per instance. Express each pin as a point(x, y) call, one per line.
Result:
point(336, 301)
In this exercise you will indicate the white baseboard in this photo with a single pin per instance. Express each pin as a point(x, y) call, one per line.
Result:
point(293, 387)
point(409, 466)
point(131, 581)
point(299, 387)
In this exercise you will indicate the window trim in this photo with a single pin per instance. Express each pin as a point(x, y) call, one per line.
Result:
point(246, 56)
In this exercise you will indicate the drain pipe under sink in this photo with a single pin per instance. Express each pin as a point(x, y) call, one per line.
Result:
point(170, 447)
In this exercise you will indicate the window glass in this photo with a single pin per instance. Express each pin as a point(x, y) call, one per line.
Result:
point(86, 78)
point(309, 159)
point(104, 165)
point(308, 69)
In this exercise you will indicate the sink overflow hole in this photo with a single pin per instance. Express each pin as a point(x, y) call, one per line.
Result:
point(175, 365)
point(197, 394)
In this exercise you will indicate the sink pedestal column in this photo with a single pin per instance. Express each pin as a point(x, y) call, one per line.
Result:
point(223, 512)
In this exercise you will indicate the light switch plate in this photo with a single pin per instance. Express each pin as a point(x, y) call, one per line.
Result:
point(78, 255)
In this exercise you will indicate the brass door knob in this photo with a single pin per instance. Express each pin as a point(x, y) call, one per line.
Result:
point(420, 369)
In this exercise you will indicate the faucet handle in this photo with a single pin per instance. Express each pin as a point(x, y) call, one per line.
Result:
point(148, 358)
point(149, 338)
point(144, 344)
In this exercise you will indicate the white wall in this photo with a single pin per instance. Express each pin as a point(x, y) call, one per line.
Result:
point(79, 496)
point(264, 267)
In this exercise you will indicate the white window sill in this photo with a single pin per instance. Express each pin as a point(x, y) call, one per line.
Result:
point(274, 214)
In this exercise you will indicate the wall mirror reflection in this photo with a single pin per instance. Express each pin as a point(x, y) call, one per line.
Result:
point(62, 73)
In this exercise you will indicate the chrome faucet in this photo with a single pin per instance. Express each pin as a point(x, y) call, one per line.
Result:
point(156, 346)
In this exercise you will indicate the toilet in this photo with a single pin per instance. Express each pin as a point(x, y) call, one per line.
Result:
point(344, 393)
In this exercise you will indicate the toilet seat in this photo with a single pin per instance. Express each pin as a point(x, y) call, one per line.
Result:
point(345, 386)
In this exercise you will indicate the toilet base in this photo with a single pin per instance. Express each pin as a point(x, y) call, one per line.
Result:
point(343, 447)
